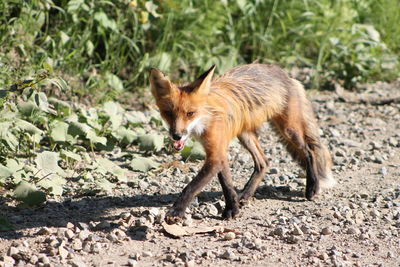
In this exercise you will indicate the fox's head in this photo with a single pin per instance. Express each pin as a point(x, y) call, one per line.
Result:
point(182, 107)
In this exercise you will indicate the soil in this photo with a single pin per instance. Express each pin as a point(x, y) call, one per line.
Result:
point(356, 223)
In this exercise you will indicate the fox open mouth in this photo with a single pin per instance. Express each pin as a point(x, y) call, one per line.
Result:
point(179, 145)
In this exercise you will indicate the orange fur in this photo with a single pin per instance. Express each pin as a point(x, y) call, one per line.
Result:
point(235, 104)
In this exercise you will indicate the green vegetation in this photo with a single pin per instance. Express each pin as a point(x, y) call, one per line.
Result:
point(59, 56)
point(106, 46)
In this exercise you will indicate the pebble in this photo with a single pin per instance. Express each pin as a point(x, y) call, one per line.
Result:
point(297, 230)
point(147, 254)
point(69, 234)
point(44, 231)
point(229, 236)
point(132, 262)
point(103, 225)
point(228, 255)
point(326, 231)
point(353, 231)
point(76, 263)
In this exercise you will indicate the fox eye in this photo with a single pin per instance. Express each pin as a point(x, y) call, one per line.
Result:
point(190, 114)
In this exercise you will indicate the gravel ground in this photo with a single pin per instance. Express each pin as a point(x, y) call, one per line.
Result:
point(357, 223)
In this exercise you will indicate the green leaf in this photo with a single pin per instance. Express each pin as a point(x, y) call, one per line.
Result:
point(59, 131)
point(28, 194)
point(194, 152)
point(143, 164)
point(28, 127)
point(69, 154)
point(151, 142)
point(78, 128)
point(5, 172)
point(114, 112)
point(104, 184)
point(114, 82)
point(60, 83)
point(136, 118)
point(124, 136)
point(112, 168)
point(27, 108)
point(47, 163)
point(62, 107)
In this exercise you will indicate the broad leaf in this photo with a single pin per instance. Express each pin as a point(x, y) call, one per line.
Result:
point(194, 152)
point(151, 142)
point(59, 131)
point(143, 164)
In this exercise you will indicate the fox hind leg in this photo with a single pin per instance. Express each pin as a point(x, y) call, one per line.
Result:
point(298, 126)
point(250, 141)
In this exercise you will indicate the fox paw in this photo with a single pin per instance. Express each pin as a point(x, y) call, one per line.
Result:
point(173, 216)
point(230, 213)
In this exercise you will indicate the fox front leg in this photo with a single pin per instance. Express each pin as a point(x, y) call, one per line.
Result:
point(207, 172)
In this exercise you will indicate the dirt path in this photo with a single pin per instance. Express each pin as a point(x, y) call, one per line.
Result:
point(355, 224)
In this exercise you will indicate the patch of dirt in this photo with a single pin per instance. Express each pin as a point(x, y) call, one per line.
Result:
point(357, 223)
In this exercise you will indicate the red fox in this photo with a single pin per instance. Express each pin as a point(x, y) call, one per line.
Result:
point(235, 104)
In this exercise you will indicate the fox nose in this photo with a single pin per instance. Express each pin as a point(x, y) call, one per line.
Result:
point(176, 136)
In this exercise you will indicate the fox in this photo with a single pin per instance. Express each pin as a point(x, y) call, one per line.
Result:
point(235, 105)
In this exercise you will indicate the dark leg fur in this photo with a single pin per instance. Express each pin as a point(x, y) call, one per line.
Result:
point(207, 172)
point(250, 142)
point(231, 198)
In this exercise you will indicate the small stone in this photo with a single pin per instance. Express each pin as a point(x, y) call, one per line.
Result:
point(273, 171)
point(323, 256)
point(229, 236)
point(8, 261)
point(112, 237)
point(326, 231)
point(228, 255)
point(83, 226)
point(43, 259)
point(62, 252)
point(364, 236)
point(103, 225)
point(280, 231)
point(69, 234)
point(13, 252)
point(125, 215)
point(374, 213)
point(187, 221)
point(77, 244)
point(43, 231)
point(197, 216)
point(353, 231)
point(83, 235)
point(132, 262)
point(311, 252)
point(147, 254)
point(119, 233)
point(34, 259)
point(297, 230)
point(70, 225)
point(383, 171)
point(96, 247)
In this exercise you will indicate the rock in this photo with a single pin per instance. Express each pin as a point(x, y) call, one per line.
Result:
point(69, 234)
point(297, 230)
point(62, 252)
point(273, 171)
point(229, 236)
point(13, 252)
point(383, 171)
point(323, 256)
point(353, 231)
point(44, 231)
point(375, 213)
point(132, 262)
point(76, 244)
point(8, 261)
point(112, 237)
point(43, 259)
point(96, 247)
point(70, 225)
point(363, 236)
point(228, 255)
point(187, 221)
point(280, 231)
point(197, 216)
point(83, 226)
point(326, 231)
point(147, 254)
point(83, 235)
point(34, 259)
point(103, 225)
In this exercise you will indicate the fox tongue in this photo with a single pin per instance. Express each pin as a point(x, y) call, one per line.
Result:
point(178, 145)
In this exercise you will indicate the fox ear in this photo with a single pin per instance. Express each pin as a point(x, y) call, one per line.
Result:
point(160, 84)
point(202, 84)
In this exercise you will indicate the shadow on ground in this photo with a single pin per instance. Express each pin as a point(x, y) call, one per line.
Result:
point(85, 210)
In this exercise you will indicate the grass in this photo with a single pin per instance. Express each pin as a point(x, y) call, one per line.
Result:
point(106, 46)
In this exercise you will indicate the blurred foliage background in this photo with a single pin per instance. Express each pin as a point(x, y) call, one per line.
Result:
point(102, 48)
